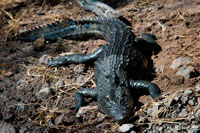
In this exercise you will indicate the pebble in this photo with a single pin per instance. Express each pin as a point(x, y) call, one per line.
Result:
point(177, 127)
point(176, 98)
point(188, 92)
point(160, 129)
point(59, 119)
point(79, 68)
point(187, 72)
point(126, 128)
point(160, 69)
point(152, 111)
point(21, 106)
point(197, 115)
point(23, 130)
point(6, 128)
point(180, 61)
point(80, 80)
point(191, 102)
point(83, 110)
point(44, 92)
point(133, 132)
point(197, 88)
point(184, 99)
point(44, 59)
point(59, 84)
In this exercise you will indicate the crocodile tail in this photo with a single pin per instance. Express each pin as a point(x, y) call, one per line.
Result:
point(63, 29)
point(48, 32)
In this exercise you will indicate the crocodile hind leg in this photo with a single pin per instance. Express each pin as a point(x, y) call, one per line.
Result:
point(84, 92)
point(76, 58)
point(152, 88)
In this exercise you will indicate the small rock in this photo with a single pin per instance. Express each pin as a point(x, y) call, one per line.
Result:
point(160, 69)
point(59, 84)
point(44, 59)
point(80, 80)
point(177, 127)
point(59, 119)
point(152, 111)
point(191, 102)
point(197, 88)
point(79, 68)
point(45, 92)
point(176, 98)
point(187, 72)
point(6, 128)
point(188, 92)
point(23, 130)
point(21, 106)
point(83, 110)
point(180, 61)
point(183, 113)
point(161, 129)
point(197, 115)
point(184, 99)
point(126, 128)
point(133, 132)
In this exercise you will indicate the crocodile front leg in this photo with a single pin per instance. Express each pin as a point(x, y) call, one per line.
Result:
point(76, 58)
point(153, 89)
point(84, 92)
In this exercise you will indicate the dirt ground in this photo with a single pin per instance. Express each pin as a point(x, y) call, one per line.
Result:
point(35, 98)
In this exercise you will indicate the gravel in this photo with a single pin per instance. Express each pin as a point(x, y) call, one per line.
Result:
point(176, 110)
point(126, 128)
point(187, 72)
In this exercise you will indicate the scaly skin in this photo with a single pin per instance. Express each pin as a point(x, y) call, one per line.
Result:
point(119, 65)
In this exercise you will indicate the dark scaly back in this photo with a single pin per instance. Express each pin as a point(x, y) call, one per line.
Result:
point(120, 43)
point(120, 55)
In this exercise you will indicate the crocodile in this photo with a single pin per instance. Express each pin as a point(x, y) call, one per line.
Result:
point(119, 65)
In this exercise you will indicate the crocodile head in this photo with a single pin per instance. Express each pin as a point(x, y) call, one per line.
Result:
point(117, 104)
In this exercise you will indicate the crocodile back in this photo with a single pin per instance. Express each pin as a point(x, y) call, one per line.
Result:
point(120, 55)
